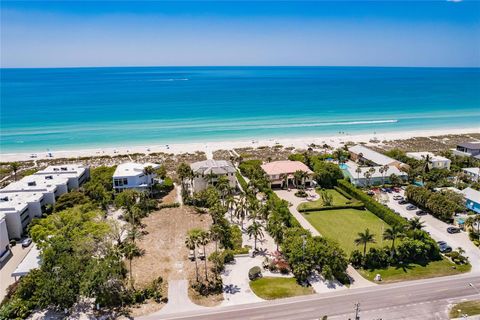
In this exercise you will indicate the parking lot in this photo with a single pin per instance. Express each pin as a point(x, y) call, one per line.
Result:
point(8, 266)
point(438, 230)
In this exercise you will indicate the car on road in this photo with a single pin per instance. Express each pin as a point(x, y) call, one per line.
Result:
point(26, 242)
point(388, 190)
point(402, 202)
point(453, 230)
point(397, 197)
point(421, 213)
point(411, 207)
point(444, 247)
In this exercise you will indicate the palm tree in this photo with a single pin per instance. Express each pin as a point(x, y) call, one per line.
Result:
point(415, 224)
point(284, 179)
point(203, 240)
point(241, 210)
point(394, 232)
point(275, 228)
point(255, 230)
point(191, 244)
point(14, 166)
point(472, 221)
point(363, 239)
point(184, 171)
point(426, 164)
point(210, 176)
point(216, 234)
point(367, 176)
point(230, 203)
point(382, 171)
point(148, 171)
point(130, 251)
point(358, 171)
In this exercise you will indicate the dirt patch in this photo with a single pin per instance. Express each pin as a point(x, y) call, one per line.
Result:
point(206, 301)
point(165, 252)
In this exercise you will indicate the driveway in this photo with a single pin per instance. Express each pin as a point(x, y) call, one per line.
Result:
point(9, 265)
point(438, 231)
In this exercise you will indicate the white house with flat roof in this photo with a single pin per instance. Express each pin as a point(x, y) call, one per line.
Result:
point(472, 173)
point(208, 171)
point(131, 175)
point(76, 174)
point(472, 199)
point(363, 176)
point(23, 200)
point(4, 240)
point(435, 162)
point(370, 157)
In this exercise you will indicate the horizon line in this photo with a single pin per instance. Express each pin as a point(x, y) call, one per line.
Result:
point(243, 66)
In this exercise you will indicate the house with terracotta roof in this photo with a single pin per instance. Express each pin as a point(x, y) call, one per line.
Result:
point(282, 173)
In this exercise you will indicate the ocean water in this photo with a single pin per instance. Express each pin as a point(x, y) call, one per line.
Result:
point(74, 108)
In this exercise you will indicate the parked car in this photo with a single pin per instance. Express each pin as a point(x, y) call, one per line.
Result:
point(402, 202)
point(26, 242)
point(453, 230)
point(395, 189)
point(388, 190)
point(421, 213)
point(411, 207)
point(371, 193)
point(397, 197)
point(444, 247)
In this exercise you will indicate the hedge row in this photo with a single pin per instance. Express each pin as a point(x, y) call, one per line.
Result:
point(343, 193)
point(322, 208)
point(168, 205)
point(241, 181)
point(376, 208)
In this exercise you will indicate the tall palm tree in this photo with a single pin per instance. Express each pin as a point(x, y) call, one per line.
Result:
point(364, 238)
point(382, 171)
point(203, 240)
point(230, 203)
point(14, 166)
point(275, 229)
point(255, 230)
point(415, 224)
point(426, 164)
point(210, 176)
point(358, 171)
point(241, 210)
point(191, 244)
point(284, 179)
point(130, 251)
point(149, 171)
point(216, 234)
point(396, 231)
point(184, 172)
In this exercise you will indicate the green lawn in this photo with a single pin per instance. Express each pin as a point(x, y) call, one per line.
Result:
point(415, 271)
point(338, 200)
point(470, 308)
point(343, 226)
point(270, 288)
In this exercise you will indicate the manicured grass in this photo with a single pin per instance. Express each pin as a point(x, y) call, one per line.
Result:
point(470, 308)
point(270, 288)
point(338, 200)
point(415, 271)
point(343, 226)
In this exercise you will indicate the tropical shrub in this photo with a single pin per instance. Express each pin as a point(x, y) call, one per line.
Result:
point(254, 273)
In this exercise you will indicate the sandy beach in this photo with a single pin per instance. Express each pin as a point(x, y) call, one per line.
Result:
point(209, 147)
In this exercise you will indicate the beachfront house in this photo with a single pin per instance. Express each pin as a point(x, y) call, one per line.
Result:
point(282, 173)
point(472, 173)
point(207, 172)
point(434, 161)
point(468, 149)
point(369, 157)
point(76, 174)
point(362, 176)
point(131, 175)
point(472, 199)
point(23, 200)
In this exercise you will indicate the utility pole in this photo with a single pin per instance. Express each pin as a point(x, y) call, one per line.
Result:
point(357, 311)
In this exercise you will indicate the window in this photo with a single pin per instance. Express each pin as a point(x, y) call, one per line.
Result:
point(120, 182)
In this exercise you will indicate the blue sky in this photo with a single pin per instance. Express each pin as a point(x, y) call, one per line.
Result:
point(355, 33)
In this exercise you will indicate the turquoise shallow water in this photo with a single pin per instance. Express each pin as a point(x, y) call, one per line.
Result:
point(76, 108)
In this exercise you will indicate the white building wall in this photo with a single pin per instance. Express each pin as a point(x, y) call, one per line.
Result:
point(4, 240)
point(201, 183)
point(14, 225)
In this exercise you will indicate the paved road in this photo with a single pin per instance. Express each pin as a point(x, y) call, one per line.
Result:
point(9, 265)
point(438, 231)
point(422, 300)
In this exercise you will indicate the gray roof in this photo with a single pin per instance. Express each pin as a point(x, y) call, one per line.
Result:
point(374, 156)
point(470, 145)
point(218, 167)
